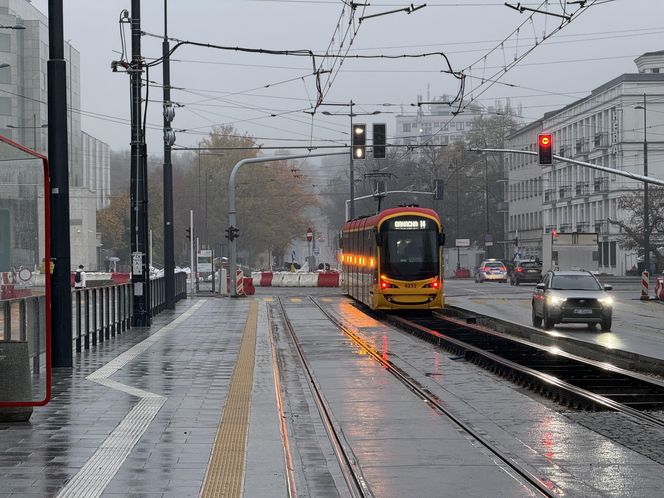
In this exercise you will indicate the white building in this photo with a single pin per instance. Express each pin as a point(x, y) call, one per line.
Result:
point(604, 128)
point(24, 115)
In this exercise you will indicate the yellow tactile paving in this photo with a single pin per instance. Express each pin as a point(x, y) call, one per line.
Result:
point(225, 472)
point(295, 300)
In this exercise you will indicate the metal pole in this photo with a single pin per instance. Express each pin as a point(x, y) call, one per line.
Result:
point(232, 267)
point(200, 210)
point(207, 237)
point(191, 251)
point(458, 190)
point(486, 202)
point(140, 277)
point(34, 132)
point(169, 240)
point(59, 202)
point(646, 207)
point(352, 169)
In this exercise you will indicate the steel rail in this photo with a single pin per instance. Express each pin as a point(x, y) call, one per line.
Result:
point(545, 488)
point(357, 484)
point(545, 381)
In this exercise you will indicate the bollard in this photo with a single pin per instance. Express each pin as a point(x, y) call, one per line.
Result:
point(645, 286)
point(16, 382)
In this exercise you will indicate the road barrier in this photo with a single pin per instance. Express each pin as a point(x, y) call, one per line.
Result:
point(295, 279)
point(659, 287)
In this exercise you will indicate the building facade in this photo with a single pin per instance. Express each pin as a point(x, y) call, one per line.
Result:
point(24, 115)
point(604, 128)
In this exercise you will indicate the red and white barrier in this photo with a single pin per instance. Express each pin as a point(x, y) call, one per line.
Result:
point(239, 283)
point(645, 286)
point(659, 288)
point(295, 279)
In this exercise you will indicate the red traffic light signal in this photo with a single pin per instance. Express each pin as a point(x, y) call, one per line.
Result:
point(545, 148)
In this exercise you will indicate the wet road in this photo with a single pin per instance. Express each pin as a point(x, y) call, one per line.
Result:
point(637, 326)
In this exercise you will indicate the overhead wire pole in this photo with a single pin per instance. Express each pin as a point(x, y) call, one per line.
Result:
point(61, 318)
point(138, 184)
point(169, 243)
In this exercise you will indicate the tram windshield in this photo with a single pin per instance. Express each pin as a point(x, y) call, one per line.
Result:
point(410, 248)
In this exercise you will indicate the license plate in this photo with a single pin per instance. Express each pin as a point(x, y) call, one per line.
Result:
point(532, 271)
point(583, 311)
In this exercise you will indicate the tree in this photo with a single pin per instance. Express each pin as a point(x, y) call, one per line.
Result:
point(631, 228)
point(113, 224)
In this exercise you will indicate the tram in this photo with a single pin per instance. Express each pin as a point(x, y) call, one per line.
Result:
point(393, 260)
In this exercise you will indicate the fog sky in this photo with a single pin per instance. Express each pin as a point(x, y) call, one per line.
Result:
point(595, 47)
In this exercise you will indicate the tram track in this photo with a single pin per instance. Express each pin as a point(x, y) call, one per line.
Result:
point(357, 484)
point(543, 487)
point(565, 378)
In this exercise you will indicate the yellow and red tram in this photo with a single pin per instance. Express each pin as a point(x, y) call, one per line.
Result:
point(393, 260)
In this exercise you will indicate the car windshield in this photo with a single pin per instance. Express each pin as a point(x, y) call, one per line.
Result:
point(574, 282)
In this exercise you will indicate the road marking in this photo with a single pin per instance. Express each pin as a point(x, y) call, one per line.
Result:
point(225, 472)
point(295, 300)
point(327, 299)
point(99, 470)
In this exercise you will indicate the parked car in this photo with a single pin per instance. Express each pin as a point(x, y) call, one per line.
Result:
point(491, 269)
point(571, 297)
point(526, 271)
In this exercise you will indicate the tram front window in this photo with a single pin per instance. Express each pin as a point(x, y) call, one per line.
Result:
point(410, 248)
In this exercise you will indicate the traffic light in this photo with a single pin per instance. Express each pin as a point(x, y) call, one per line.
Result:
point(545, 148)
point(188, 230)
point(516, 241)
point(232, 233)
point(379, 139)
point(359, 133)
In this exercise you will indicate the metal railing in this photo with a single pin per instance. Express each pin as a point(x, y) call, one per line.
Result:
point(98, 313)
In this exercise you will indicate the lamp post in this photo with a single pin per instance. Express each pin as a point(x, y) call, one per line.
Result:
point(351, 211)
point(646, 214)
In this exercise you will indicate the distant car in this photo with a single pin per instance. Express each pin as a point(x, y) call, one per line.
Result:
point(571, 297)
point(491, 269)
point(526, 271)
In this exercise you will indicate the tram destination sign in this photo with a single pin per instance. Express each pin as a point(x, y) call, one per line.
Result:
point(411, 224)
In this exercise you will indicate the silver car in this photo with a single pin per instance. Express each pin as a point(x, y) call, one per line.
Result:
point(571, 297)
point(491, 269)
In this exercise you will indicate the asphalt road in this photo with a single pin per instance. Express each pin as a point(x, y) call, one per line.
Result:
point(638, 326)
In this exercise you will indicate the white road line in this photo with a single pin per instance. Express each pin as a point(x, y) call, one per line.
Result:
point(99, 470)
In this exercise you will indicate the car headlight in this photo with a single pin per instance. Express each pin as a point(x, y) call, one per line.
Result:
point(556, 300)
point(606, 301)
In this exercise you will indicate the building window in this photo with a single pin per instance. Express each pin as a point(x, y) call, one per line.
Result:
point(6, 75)
point(5, 42)
point(406, 127)
point(460, 125)
point(5, 106)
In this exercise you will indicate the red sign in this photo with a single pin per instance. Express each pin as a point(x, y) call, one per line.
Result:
point(310, 235)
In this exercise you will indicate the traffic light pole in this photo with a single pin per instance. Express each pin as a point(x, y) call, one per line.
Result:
point(232, 267)
point(641, 178)
point(352, 169)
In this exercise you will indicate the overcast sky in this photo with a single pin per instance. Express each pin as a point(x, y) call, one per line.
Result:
point(222, 87)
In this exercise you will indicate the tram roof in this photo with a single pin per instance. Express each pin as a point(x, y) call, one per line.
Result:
point(377, 219)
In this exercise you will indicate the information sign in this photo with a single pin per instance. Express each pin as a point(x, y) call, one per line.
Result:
point(462, 243)
point(204, 261)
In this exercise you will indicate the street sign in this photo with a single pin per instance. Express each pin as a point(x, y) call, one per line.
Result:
point(310, 235)
point(316, 251)
point(137, 263)
point(204, 261)
point(462, 242)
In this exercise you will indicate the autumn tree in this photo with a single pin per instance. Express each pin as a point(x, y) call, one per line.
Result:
point(113, 224)
point(632, 226)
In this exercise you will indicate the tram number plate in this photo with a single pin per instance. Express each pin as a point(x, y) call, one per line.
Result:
point(583, 311)
point(410, 286)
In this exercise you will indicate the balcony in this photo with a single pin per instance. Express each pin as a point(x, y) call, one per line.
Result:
point(565, 227)
point(548, 195)
point(601, 140)
point(601, 227)
point(601, 184)
point(581, 188)
point(549, 228)
point(582, 226)
point(581, 146)
point(564, 192)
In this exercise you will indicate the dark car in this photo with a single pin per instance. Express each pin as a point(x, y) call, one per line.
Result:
point(571, 297)
point(526, 271)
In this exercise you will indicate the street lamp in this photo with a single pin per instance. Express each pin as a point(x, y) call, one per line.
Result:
point(646, 214)
point(351, 212)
